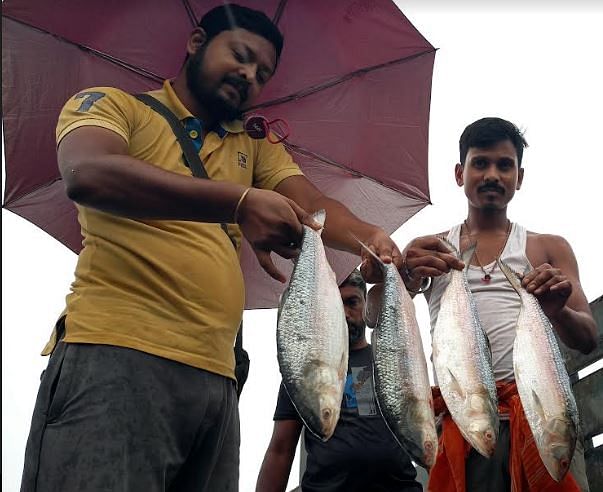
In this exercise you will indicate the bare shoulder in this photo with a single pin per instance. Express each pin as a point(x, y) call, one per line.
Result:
point(547, 240)
point(547, 248)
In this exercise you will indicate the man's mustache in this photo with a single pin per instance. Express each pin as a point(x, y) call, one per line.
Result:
point(241, 85)
point(491, 187)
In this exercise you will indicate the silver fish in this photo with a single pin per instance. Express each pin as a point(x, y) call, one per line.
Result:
point(463, 363)
point(543, 383)
point(312, 337)
point(400, 369)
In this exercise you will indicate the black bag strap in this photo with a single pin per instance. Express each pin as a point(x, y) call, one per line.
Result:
point(191, 157)
point(193, 161)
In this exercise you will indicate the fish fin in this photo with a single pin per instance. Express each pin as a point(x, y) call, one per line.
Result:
point(372, 306)
point(281, 303)
point(467, 255)
point(488, 344)
point(343, 367)
point(320, 216)
point(456, 386)
point(538, 406)
point(512, 276)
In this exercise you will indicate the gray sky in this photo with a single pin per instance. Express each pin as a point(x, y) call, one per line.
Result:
point(533, 66)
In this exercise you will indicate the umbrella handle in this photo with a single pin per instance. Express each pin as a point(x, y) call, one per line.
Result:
point(258, 127)
point(283, 131)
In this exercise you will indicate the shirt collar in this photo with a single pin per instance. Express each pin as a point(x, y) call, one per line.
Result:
point(168, 96)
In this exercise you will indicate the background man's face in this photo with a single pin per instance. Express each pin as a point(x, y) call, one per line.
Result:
point(353, 304)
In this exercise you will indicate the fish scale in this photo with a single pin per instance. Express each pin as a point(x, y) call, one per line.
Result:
point(312, 337)
point(463, 363)
point(543, 384)
point(400, 370)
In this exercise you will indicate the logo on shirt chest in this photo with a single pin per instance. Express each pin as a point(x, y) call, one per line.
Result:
point(242, 160)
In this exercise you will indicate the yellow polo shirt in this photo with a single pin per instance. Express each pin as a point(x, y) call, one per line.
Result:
point(169, 288)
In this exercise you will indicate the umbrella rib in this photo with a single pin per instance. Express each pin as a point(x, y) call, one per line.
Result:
point(279, 11)
point(116, 61)
point(8, 203)
point(190, 12)
point(331, 83)
point(308, 153)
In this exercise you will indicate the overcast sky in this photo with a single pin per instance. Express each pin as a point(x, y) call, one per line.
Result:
point(538, 68)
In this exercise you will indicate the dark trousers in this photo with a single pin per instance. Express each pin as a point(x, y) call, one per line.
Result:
point(492, 475)
point(114, 419)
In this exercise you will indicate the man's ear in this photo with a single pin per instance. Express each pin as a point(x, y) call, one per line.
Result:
point(196, 40)
point(519, 178)
point(458, 174)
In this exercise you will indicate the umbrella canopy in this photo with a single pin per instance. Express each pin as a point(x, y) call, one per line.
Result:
point(353, 83)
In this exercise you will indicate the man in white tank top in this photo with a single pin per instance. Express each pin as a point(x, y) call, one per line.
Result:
point(490, 172)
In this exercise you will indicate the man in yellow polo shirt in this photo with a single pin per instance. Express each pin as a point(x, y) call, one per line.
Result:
point(139, 392)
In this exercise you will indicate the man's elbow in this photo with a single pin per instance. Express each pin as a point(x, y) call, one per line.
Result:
point(589, 345)
point(79, 186)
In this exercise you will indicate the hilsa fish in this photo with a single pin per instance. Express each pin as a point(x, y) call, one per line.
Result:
point(463, 362)
point(543, 383)
point(400, 374)
point(312, 337)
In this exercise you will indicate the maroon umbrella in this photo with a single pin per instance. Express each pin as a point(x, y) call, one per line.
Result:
point(353, 83)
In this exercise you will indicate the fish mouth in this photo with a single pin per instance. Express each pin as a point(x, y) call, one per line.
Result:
point(329, 418)
point(429, 454)
point(484, 442)
point(557, 468)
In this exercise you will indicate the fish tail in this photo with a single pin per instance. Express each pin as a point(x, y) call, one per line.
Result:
point(512, 275)
point(451, 247)
point(368, 250)
point(320, 216)
point(467, 255)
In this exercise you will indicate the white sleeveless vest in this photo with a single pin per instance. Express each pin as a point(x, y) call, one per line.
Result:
point(497, 303)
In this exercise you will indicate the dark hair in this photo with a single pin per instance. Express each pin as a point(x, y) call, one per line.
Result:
point(231, 16)
point(487, 132)
point(355, 280)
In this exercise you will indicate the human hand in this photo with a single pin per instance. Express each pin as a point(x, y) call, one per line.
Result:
point(427, 256)
point(550, 286)
point(273, 223)
point(384, 247)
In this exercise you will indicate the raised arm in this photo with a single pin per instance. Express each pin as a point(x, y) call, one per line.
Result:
point(276, 467)
point(99, 173)
point(426, 256)
point(342, 226)
point(556, 284)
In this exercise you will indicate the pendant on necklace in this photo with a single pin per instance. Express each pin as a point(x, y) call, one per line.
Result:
point(487, 278)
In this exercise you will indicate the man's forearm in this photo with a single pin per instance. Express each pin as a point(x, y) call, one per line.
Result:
point(128, 187)
point(342, 226)
point(274, 474)
point(576, 329)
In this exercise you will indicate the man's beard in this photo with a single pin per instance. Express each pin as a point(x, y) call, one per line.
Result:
point(217, 106)
point(356, 331)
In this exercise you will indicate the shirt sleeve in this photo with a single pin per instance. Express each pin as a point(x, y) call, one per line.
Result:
point(284, 407)
point(273, 165)
point(105, 107)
